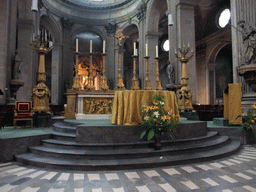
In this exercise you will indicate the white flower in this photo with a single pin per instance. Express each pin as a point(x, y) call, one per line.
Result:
point(161, 103)
point(146, 118)
point(156, 113)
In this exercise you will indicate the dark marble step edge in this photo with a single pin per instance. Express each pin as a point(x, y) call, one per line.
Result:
point(96, 165)
point(59, 127)
point(128, 153)
point(61, 134)
point(58, 142)
point(141, 144)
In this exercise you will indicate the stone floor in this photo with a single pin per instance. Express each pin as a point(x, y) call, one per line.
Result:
point(235, 173)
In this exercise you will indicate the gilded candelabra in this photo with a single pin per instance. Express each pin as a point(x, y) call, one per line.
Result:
point(76, 79)
point(158, 81)
point(90, 85)
point(104, 85)
point(134, 79)
point(42, 44)
point(120, 84)
point(147, 81)
point(184, 94)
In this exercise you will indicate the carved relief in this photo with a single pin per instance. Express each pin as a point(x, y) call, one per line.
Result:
point(98, 105)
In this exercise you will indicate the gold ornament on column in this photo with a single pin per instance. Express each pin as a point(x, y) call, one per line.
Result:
point(42, 44)
point(134, 79)
point(76, 79)
point(184, 94)
point(158, 81)
point(90, 85)
point(120, 36)
point(147, 81)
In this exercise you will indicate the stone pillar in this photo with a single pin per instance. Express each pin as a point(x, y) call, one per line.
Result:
point(56, 75)
point(142, 69)
point(186, 34)
point(152, 41)
point(8, 19)
point(80, 108)
point(242, 10)
point(111, 61)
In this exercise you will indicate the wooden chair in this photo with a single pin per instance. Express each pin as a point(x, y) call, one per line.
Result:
point(23, 112)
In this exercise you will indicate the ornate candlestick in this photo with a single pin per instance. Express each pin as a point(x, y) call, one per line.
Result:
point(147, 81)
point(42, 44)
point(104, 85)
point(90, 85)
point(76, 79)
point(120, 84)
point(158, 81)
point(184, 59)
point(184, 94)
point(134, 79)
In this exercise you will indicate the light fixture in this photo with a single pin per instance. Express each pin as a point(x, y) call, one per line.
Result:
point(170, 20)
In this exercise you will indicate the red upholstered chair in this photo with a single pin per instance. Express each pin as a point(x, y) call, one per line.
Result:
point(23, 112)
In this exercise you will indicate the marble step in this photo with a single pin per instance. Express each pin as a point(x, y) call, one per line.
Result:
point(129, 153)
point(117, 164)
point(66, 144)
point(63, 128)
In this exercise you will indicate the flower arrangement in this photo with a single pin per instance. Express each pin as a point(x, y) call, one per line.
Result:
point(157, 119)
point(249, 121)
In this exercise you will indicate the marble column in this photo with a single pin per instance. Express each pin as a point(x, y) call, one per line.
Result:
point(186, 34)
point(242, 10)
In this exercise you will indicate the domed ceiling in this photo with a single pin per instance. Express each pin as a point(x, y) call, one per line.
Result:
point(98, 4)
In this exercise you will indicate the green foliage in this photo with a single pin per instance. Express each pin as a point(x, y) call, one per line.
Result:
point(157, 119)
point(249, 123)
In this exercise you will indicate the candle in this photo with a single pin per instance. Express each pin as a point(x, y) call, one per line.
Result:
point(134, 48)
point(34, 6)
point(104, 46)
point(136, 52)
point(90, 46)
point(156, 51)
point(146, 49)
point(76, 45)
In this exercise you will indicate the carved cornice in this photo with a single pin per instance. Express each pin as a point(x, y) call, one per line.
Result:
point(111, 28)
point(97, 8)
point(141, 14)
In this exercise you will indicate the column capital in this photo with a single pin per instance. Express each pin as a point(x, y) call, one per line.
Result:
point(186, 3)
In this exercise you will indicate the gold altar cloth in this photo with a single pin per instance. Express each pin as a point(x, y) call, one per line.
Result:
point(127, 105)
point(232, 104)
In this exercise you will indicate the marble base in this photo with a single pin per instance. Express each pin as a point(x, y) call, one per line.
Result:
point(130, 133)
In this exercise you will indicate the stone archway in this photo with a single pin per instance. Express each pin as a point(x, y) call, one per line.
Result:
point(128, 46)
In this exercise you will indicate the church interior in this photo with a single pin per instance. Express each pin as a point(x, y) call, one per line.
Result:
point(75, 74)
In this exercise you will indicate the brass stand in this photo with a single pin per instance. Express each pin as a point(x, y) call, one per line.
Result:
point(76, 79)
point(134, 79)
point(120, 84)
point(147, 81)
point(90, 79)
point(104, 85)
point(41, 93)
point(184, 94)
point(158, 81)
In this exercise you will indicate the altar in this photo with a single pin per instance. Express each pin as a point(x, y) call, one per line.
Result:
point(127, 105)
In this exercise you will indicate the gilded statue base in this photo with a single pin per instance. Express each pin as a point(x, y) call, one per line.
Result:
point(184, 99)
point(41, 95)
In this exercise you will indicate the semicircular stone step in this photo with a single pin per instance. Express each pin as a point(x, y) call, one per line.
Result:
point(129, 153)
point(157, 161)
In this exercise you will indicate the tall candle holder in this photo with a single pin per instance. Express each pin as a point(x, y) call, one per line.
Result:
point(104, 85)
point(120, 85)
point(41, 94)
point(90, 85)
point(147, 81)
point(76, 79)
point(158, 81)
point(134, 79)
point(184, 94)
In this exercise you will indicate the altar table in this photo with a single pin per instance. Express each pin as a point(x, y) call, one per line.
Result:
point(127, 105)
